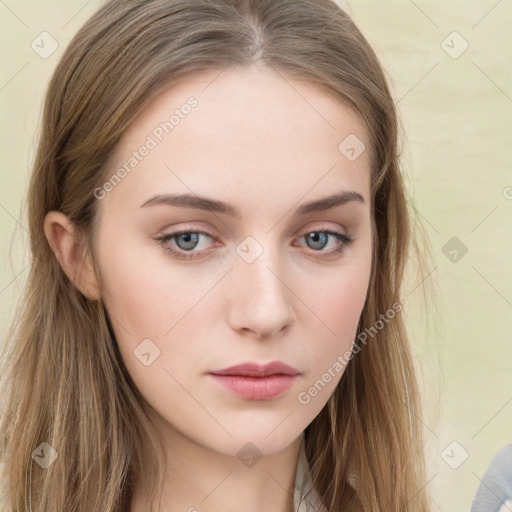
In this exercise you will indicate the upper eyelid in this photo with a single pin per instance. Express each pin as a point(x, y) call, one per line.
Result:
point(322, 227)
point(300, 234)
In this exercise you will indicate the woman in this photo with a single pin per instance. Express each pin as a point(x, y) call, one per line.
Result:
point(219, 230)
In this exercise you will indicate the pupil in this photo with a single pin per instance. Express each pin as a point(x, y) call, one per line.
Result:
point(316, 236)
point(188, 238)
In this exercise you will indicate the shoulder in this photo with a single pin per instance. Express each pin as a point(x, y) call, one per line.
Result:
point(495, 489)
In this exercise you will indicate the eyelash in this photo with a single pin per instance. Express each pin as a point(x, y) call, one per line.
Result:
point(345, 240)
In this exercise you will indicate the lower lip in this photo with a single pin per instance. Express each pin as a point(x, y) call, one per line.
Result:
point(255, 388)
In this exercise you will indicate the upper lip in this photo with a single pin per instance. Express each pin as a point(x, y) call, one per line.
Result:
point(256, 370)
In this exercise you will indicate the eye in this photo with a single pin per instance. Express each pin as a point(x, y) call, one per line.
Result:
point(186, 241)
point(318, 240)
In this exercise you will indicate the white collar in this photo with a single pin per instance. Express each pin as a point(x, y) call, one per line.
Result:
point(303, 483)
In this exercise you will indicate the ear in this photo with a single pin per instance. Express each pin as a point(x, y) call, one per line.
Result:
point(71, 253)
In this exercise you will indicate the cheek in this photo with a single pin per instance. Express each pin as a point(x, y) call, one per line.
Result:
point(161, 302)
point(341, 305)
point(153, 320)
point(338, 299)
point(336, 305)
point(145, 300)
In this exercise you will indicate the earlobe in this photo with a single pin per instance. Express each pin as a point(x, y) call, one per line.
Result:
point(71, 253)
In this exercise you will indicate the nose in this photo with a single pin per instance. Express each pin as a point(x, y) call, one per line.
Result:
point(261, 298)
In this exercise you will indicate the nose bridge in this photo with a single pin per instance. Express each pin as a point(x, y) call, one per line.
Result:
point(261, 300)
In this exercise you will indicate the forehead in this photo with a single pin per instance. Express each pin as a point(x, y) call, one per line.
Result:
point(241, 132)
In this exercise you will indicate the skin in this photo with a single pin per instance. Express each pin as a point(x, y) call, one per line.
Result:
point(266, 144)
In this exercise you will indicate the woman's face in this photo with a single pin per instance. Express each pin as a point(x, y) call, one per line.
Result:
point(259, 281)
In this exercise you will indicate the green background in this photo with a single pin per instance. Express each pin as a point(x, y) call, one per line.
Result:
point(457, 117)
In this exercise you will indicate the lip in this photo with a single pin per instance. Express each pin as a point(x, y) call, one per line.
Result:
point(256, 382)
point(256, 370)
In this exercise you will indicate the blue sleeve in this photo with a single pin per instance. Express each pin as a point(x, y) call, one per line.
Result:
point(495, 489)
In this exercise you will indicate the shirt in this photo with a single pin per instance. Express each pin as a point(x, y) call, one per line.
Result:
point(494, 494)
point(303, 483)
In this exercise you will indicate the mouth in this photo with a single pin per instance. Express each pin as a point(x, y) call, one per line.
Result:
point(251, 381)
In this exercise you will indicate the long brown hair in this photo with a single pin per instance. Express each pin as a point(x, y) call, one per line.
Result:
point(64, 382)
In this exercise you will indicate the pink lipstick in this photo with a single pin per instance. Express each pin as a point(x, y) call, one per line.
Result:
point(255, 382)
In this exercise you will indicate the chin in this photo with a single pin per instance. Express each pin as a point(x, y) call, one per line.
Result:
point(256, 442)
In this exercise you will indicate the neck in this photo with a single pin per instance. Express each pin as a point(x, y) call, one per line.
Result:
point(199, 478)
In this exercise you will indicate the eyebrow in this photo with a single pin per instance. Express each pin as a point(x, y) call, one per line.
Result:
point(212, 205)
